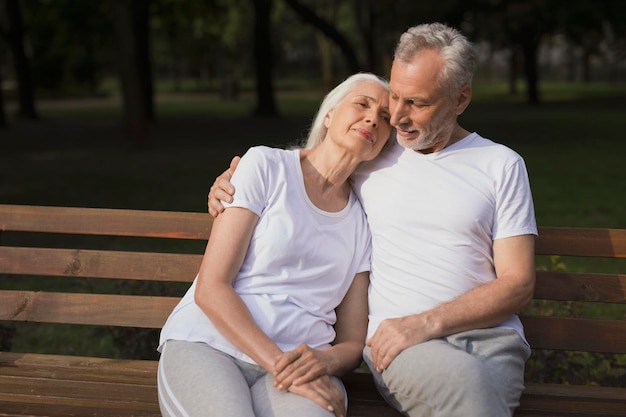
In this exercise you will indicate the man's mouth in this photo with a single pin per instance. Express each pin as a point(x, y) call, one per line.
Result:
point(405, 133)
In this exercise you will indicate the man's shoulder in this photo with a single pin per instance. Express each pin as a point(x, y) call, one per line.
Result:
point(488, 147)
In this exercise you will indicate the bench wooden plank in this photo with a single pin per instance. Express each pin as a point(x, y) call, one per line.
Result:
point(110, 222)
point(78, 368)
point(575, 334)
point(27, 405)
point(99, 264)
point(563, 241)
point(78, 390)
point(94, 309)
point(572, 286)
point(56, 385)
point(572, 401)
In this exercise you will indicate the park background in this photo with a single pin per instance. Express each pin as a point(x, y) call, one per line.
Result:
point(141, 103)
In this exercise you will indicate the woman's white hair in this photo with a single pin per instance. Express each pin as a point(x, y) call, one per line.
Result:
point(333, 98)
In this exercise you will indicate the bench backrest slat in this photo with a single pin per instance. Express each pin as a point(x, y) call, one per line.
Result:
point(609, 243)
point(110, 222)
point(576, 334)
point(99, 264)
point(572, 286)
point(93, 309)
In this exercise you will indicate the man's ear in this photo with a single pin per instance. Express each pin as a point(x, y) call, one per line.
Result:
point(463, 98)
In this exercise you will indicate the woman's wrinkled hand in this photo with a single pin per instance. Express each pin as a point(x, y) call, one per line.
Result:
point(299, 366)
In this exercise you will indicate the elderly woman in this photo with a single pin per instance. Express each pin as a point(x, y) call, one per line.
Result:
point(278, 309)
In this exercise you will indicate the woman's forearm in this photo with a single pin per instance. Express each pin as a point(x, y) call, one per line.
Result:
point(233, 320)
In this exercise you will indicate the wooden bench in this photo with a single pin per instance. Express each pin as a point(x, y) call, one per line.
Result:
point(43, 244)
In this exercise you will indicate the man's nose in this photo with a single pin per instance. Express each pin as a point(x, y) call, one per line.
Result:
point(397, 113)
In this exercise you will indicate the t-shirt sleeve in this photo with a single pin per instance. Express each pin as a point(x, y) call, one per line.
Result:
point(515, 213)
point(250, 181)
point(363, 254)
point(365, 263)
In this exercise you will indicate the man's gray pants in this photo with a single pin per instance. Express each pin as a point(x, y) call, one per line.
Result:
point(478, 373)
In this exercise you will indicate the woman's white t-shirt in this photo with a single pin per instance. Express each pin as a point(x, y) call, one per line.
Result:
point(299, 265)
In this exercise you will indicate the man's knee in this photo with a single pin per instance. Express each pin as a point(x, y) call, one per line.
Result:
point(438, 379)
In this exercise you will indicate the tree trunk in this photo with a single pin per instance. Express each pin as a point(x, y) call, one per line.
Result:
point(15, 35)
point(3, 119)
point(368, 28)
point(309, 16)
point(586, 65)
point(514, 65)
point(131, 25)
point(530, 46)
point(264, 59)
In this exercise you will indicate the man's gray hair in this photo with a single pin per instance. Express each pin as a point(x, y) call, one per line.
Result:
point(456, 50)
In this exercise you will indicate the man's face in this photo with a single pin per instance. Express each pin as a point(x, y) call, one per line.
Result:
point(421, 109)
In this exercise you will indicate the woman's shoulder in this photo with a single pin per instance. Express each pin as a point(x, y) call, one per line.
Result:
point(266, 153)
point(266, 162)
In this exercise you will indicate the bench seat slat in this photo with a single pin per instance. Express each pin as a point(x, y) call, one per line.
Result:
point(92, 309)
point(564, 241)
point(572, 401)
point(60, 388)
point(33, 405)
point(575, 334)
point(172, 267)
point(572, 286)
point(101, 221)
point(79, 368)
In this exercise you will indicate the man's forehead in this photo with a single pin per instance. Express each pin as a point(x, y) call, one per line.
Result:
point(415, 79)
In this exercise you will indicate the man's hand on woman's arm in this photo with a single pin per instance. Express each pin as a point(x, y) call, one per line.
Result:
point(222, 189)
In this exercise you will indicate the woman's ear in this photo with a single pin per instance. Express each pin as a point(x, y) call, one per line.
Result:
point(328, 118)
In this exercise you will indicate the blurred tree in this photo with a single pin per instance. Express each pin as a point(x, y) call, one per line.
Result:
point(3, 118)
point(591, 25)
point(366, 31)
point(71, 43)
point(520, 26)
point(264, 59)
point(131, 23)
point(308, 15)
point(201, 41)
point(523, 26)
point(368, 15)
point(14, 34)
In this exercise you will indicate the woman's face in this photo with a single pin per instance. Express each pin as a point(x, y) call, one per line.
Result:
point(360, 122)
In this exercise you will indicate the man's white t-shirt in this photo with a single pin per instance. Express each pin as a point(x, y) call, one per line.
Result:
point(300, 263)
point(433, 219)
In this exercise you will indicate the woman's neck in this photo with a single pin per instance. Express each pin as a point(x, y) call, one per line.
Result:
point(326, 172)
